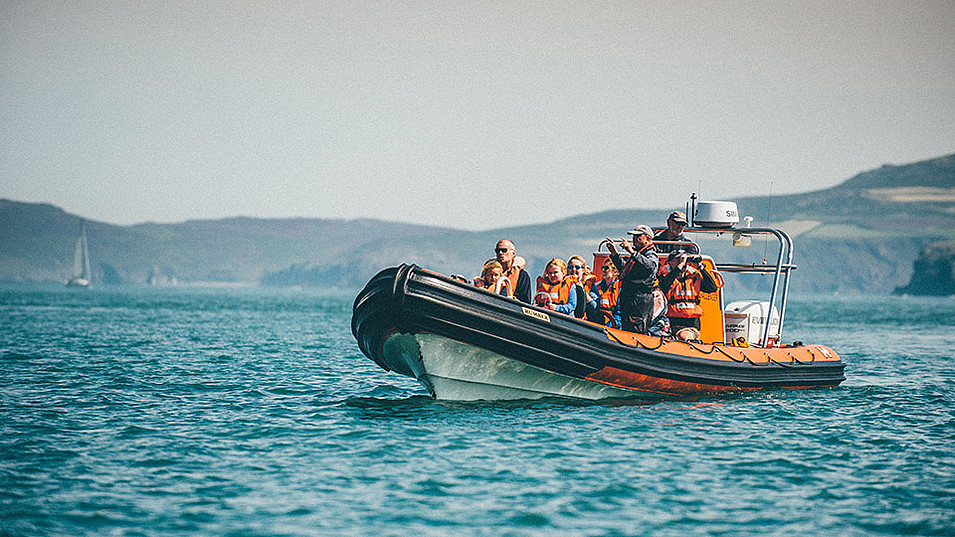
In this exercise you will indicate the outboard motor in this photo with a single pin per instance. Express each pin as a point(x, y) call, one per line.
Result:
point(747, 319)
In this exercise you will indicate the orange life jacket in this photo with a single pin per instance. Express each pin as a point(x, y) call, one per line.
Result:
point(607, 300)
point(559, 293)
point(513, 274)
point(503, 283)
point(683, 297)
point(589, 283)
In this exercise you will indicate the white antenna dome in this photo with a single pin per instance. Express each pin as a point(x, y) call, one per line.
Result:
point(716, 214)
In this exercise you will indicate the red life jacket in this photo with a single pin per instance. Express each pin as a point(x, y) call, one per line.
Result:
point(683, 296)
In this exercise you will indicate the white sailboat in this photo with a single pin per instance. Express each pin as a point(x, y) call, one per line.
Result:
point(82, 275)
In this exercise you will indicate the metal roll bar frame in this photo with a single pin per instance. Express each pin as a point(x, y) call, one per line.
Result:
point(780, 271)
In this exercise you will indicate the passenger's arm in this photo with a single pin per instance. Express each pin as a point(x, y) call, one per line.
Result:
point(570, 306)
point(708, 284)
point(617, 262)
point(593, 297)
point(667, 281)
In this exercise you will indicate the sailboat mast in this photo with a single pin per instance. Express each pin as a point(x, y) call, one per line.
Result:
point(78, 257)
point(87, 273)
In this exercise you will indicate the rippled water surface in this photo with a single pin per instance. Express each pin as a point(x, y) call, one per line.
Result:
point(136, 411)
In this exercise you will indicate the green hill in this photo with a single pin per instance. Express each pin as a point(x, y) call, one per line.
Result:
point(860, 236)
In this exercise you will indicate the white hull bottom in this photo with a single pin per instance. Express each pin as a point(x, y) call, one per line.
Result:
point(455, 371)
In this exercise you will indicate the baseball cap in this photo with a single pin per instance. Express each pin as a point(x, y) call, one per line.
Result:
point(677, 216)
point(642, 230)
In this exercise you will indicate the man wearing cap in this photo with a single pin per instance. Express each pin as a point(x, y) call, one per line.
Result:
point(674, 233)
point(638, 277)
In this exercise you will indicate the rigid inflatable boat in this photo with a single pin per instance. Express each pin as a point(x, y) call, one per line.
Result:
point(464, 343)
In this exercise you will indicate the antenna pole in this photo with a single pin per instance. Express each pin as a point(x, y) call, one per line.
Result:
point(769, 216)
point(691, 209)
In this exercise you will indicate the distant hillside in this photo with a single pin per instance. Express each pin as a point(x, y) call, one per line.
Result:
point(37, 240)
point(860, 236)
point(902, 200)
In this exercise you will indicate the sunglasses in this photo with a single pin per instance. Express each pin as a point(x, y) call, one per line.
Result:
point(575, 267)
point(501, 250)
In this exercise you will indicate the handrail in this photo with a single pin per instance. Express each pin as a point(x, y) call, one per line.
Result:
point(754, 268)
point(674, 243)
point(785, 297)
point(781, 270)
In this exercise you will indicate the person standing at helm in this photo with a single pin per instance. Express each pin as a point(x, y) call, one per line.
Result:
point(676, 222)
point(638, 277)
point(505, 253)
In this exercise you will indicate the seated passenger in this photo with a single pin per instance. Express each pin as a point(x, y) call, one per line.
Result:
point(576, 266)
point(602, 299)
point(491, 271)
point(506, 255)
point(555, 291)
point(583, 280)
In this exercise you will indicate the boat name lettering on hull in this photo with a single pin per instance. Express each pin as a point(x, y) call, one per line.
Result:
point(534, 313)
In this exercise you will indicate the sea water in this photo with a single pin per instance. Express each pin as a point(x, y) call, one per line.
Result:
point(171, 411)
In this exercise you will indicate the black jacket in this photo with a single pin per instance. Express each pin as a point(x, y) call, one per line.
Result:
point(522, 291)
point(637, 277)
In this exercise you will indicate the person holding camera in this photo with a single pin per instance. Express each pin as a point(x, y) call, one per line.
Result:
point(684, 278)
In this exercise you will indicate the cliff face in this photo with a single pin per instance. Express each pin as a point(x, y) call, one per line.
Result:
point(934, 271)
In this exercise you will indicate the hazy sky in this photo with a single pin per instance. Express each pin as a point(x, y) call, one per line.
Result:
point(472, 114)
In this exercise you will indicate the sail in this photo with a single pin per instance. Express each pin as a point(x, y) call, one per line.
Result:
point(81, 262)
point(87, 273)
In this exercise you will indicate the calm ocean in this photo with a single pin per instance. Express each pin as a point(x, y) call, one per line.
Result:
point(170, 411)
